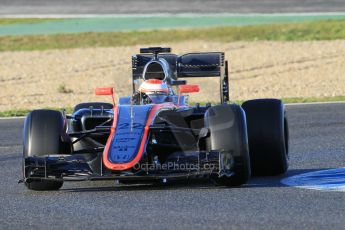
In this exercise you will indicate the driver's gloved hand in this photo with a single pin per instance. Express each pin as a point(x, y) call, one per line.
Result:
point(139, 98)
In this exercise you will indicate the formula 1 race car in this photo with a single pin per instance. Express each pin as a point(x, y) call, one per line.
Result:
point(154, 135)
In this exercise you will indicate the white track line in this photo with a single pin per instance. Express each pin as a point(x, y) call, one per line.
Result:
point(168, 15)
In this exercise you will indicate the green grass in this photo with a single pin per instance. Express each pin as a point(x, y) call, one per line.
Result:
point(293, 100)
point(63, 89)
point(14, 113)
point(9, 21)
point(69, 110)
point(313, 99)
point(307, 31)
point(24, 112)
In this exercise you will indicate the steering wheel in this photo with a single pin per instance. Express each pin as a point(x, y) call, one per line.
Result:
point(139, 98)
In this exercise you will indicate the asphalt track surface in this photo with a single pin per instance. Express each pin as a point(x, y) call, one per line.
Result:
point(317, 142)
point(36, 7)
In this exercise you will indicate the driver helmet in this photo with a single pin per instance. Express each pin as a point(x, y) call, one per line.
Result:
point(155, 89)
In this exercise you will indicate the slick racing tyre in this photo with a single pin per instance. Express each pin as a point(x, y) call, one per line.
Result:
point(228, 134)
point(44, 133)
point(94, 105)
point(268, 136)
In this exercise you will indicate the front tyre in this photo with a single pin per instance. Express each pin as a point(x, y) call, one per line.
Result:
point(44, 134)
point(228, 135)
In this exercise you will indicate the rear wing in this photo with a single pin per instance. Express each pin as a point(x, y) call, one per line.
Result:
point(200, 65)
point(205, 64)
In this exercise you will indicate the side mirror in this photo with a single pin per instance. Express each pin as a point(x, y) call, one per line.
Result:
point(189, 88)
point(107, 91)
point(104, 91)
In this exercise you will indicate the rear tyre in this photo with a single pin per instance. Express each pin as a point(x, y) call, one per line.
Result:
point(44, 134)
point(268, 136)
point(228, 133)
point(94, 105)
